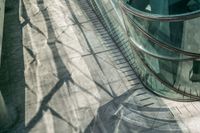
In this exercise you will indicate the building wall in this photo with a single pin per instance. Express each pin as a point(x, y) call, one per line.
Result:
point(2, 8)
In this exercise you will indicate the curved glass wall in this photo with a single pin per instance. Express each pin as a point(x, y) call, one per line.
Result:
point(164, 42)
point(173, 33)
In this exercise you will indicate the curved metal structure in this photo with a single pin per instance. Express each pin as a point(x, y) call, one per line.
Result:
point(163, 42)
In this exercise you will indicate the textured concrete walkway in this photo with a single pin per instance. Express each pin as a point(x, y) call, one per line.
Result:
point(68, 73)
point(74, 77)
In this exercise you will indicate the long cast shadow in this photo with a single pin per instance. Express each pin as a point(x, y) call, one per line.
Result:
point(64, 76)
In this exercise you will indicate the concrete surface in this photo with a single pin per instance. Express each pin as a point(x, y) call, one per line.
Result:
point(64, 74)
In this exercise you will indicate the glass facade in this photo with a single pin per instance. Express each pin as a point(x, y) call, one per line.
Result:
point(162, 42)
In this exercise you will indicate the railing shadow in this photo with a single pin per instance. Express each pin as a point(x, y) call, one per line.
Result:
point(89, 45)
point(124, 114)
point(64, 76)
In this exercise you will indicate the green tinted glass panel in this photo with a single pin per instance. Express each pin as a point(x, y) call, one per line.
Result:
point(165, 7)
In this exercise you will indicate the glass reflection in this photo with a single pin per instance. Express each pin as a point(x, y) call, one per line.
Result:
point(166, 7)
point(180, 74)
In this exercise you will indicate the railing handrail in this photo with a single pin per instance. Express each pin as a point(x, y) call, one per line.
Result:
point(165, 45)
point(159, 56)
point(193, 97)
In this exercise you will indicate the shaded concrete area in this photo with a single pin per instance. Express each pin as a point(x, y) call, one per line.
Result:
point(12, 81)
point(63, 73)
